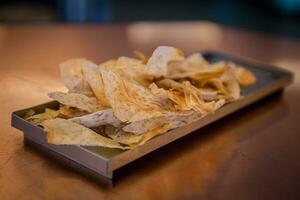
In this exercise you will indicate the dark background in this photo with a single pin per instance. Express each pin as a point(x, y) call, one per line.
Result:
point(272, 16)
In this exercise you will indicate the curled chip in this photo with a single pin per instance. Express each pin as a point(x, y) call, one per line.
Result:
point(71, 74)
point(80, 101)
point(39, 118)
point(62, 131)
point(157, 64)
point(98, 118)
point(92, 75)
point(124, 102)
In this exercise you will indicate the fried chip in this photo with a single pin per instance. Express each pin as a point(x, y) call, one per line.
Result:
point(244, 76)
point(70, 112)
point(29, 113)
point(80, 101)
point(39, 118)
point(98, 118)
point(71, 74)
point(231, 83)
point(92, 75)
point(157, 64)
point(141, 56)
point(62, 131)
point(145, 125)
point(130, 101)
point(121, 136)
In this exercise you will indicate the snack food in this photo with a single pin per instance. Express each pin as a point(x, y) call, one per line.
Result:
point(123, 103)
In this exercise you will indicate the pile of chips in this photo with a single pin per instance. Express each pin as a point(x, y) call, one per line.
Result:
point(124, 102)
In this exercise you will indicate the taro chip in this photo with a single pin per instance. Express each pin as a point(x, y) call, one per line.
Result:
point(98, 118)
point(70, 112)
point(141, 56)
point(92, 75)
point(145, 125)
point(39, 118)
point(130, 101)
point(80, 101)
point(244, 76)
point(121, 136)
point(71, 74)
point(62, 131)
point(157, 64)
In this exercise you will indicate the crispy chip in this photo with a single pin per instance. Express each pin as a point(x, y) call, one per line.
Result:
point(130, 102)
point(29, 113)
point(244, 76)
point(62, 131)
point(157, 64)
point(70, 112)
point(92, 75)
point(80, 101)
point(39, 118)
point(121, 136)
point(145, 125)
point(231, 83)
point(141, 56)
point(98, 118)
point(71, 74)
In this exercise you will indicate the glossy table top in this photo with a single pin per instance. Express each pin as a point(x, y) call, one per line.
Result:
point(253, 154)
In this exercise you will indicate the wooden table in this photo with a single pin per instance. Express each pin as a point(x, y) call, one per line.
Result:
point(253, 154)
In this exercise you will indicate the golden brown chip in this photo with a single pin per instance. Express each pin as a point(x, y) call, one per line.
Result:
point(244, 76)
point(70, 112)
point(80, 101)
point(141, 56)
point(71, 74)
point(129, 100)
point(62, 131)
point(29, 113)
point(92, 75)
point(39, 118)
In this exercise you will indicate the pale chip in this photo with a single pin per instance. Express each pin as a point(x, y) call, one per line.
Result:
point(80, 101)
point(157, 64)
point(62, 131)
point(98, 118)
point(70, 112)
point(71, 74)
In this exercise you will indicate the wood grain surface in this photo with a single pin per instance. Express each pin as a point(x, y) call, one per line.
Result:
point(253, 154)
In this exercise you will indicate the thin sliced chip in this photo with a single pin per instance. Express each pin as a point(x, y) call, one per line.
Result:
point(157, 64)
point(70, 112)
point(195, 62)
point(98, 118)
point(153, 133)
point(62, 131)
point(244, 76)
point(80, 101)
point(92, 75)
point(213, 71)
point(141, 56)
point(28, 114)
point(130, 101)
point(71, 74)
point(231, 83)
point(121, 136)
point(39, 118)
point(145, 125)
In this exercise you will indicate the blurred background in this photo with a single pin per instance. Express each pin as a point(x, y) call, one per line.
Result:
point(272, 16)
